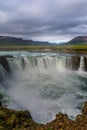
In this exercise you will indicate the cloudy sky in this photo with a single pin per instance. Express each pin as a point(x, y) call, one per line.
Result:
point(46, 20)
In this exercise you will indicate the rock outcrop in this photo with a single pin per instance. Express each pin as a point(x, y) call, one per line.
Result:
point(73, 62)
point(22, 120)
point(4, 62)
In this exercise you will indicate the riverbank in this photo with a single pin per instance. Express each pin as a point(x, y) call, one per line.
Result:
point(82, 49)
point(22, 120)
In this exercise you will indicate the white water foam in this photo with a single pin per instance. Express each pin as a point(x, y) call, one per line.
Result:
point(46, 93)
point(45, 87)
point(82, 65)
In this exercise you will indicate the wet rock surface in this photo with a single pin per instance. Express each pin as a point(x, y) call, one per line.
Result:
point(73, 62)
point(4, 62)
point(22, 120)
point(0, 103)
point(85, 62)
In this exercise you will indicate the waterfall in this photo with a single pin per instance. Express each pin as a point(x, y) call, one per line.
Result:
point(69, 63)
point(15, 64)
point(44, 62)
point(3, 73)
point(82, 64)
point(43, 84)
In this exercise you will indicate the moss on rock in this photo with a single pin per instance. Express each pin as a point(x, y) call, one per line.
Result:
point(22, 120)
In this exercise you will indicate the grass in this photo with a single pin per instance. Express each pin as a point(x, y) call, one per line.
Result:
point(55, 48)
point(79, 49)
point(83, 47)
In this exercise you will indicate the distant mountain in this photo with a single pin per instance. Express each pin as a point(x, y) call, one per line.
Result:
point(12, 41)
point(80, 40)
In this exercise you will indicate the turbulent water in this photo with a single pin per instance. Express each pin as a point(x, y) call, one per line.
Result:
point(43, 84)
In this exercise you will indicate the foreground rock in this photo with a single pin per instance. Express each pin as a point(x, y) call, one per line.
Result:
point(22, 120)
point(15, 120)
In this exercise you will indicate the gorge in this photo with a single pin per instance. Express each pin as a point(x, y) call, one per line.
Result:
point(43, 83)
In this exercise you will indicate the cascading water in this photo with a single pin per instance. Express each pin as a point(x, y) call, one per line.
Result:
point(43, 84)
point(82, 64)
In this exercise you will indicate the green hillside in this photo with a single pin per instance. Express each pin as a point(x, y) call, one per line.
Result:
point(80, 40)
point(13, 41)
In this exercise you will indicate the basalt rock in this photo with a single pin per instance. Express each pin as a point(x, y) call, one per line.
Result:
point(4, 63)
point(73, 62)
point(85, 62)
point(0, 103)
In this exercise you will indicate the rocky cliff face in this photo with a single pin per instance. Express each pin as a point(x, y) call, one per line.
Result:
point(4, 62)
point(72, 63)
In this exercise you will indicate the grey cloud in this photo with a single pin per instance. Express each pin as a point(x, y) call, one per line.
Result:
point(36, 19)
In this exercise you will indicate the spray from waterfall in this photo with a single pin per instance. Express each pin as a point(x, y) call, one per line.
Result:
point(44, 85)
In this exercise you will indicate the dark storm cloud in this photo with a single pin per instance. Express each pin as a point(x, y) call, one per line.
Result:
point(43, 20)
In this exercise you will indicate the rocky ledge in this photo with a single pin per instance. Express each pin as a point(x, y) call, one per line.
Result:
point(22, 120)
